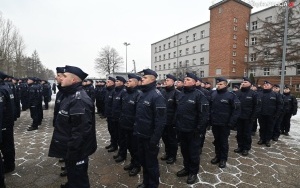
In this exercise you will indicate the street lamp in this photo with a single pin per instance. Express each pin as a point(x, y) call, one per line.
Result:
point(126, 44)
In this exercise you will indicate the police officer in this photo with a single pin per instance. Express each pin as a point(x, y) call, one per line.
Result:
point(191, 120)
point(127, 139)
point(272, 105)
point(224, 112)
point(46, 93)
point(110, 90)
point(150, 121)
point(15, 82)
point(24, 94)
point(89, 89)
point(208, 86)
point(40, 100)
point(102, 94)
point(179, 84)
point(34, 96)
point(116, 112)
point(291, 107)
point(2, 115)
point(54, 88)
point(250, 108)
point(254, 125)
point(278, 121)
point(169, 135)
point(74, 136)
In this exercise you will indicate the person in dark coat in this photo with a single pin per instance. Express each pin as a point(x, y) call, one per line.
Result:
point(74, 135)
point(2, 115)
point(54, 88)
point(191, 120)
point(278, 121)
point(150, 121)
point(90, 90)
point(24, 94)
point(15, 82)
point(179, 84)
point(46, 89)
point(169, 136)
point(224, 112)
point(291, 107)
point(34, 94)
point(250, 108)
point(254, 125)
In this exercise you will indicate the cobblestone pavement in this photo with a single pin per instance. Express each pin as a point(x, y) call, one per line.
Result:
point(277, 166)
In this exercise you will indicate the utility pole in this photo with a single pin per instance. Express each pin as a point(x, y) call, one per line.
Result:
point(134, 68)
point(126, 44)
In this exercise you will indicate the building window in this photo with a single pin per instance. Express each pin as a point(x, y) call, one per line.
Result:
point(220, 10)
point(234, 45)
point(155, 49)
point(194, 36)
point(235, 20)
point(164, 56)
point(180, 52)
point(180, 63)
point(194, 62)
point(174, 54)
point(202, 61)
point(253, 41)
point(164, 66)
point(233, 62)
point(280, 71)
point(246, 58)
point(254, 25)
point(253, 57)
point(169, 66)
point(187, 39)
point(202, 34)
point(297, 87)
point(252, 71)
point(164, 75)
point(218, 71)
point(155, 68)
point(187, 63)
point(234, 37)
point(246, 41)
point(155, 59)
point(159, 67)
point(180, 40)
point(174, 42)
point(169, 45)
point(234, 53)
point(187, 51)
point(159, 76)
point(169, 55)
point(266, 71)
point(235, 28)
point(269, 19)
point(164, 46)
point(159, 57)
point(247, 26)
point(202, 47)
point(201, 74)
point(174, 64)
point(159, 48)
point(233, 69)
point(194, 49)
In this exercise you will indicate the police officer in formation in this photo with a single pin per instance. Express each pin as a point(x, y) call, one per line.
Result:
point(272, 105)
point(34, 98)
point(250, 109)
point(224, 112)
point(179, 84)
point(191, 120)
point(116, 112)
point(278, 121)
point(74, 136)
point(89, 89)
point(16, 91)
point(7, 146)
point(169, 135)
point(46, 93)
point(128, 140)
point(24, 94)
point(100, 97)
point(150, 121)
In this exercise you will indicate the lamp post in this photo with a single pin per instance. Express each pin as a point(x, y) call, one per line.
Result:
point(126, 44)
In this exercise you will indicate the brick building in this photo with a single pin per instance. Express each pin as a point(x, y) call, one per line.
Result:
point(221, 47)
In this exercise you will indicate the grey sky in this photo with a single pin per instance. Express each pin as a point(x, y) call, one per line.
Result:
point(72, 32)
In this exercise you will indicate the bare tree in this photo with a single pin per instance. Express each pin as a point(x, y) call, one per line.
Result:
point(269, 42)
point(108, 60)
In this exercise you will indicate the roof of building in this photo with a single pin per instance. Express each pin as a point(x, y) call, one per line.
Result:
point(224, 1)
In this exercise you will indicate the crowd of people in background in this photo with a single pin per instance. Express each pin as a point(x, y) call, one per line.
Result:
point(139, 113)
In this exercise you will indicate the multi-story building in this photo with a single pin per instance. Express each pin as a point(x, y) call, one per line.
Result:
point(221, 47)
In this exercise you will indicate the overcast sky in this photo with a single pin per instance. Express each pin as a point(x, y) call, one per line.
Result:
point(72, 32)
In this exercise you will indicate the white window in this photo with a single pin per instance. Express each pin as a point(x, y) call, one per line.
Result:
point(174, 42)
point(187, 51)
point(235, 20)
point(280, 71)
point(234, 45)
point(180, 52)
point(220, 10)
point(233, 62)
point(180, 40)
point(155, 49)
point(159, 48)
point(254, 25)
point(164, 66)
point(201, 74)
point(159, 57)
point(235, 28)
point(246, 41)
point(298, 69)
point(253, 57)
point(194, 62)
point(233, 69)
point(164, 46)
point(159, 67)
point(169, 45)
point(266, 71)
point(234, 37)
point(159, 76)
point(174, 64)
point(253, 41)
point(169, 55)
point(234, 53)
point(297, 87)
point(155, 59)
point(202, 34)
point(218, 71)
point(155, 68)
point(194, 36)
point(194, 49)
point(202, 61)
point(164, 56)
point(187, 63)
point(187, 39)
point(174, 54)
point(252, 71)
point(180, 63)
point(246, 58)
point(202, 47)
point(169, 66)
point(247, 26)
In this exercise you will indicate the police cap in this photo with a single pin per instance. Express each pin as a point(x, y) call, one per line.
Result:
point(134, 76)
point(120, 78)
point(77, 71)
point(92, 81)
point(267, 82)
point(221, 79)
point(180, 79)
point(170, 76)
point(286, 87)
point(112, 79)
point(276, 85)
point(191, 75)
point(3, 75)
point(149, 72)
point(60, 69)
point(246, 79)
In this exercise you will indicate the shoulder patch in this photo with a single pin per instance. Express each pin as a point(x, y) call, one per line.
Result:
point(77, 95)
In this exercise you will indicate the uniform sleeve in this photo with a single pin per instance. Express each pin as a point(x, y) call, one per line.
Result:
point(279, 105)
point(203, 112)
point(81, 121)
point(160, 119)
point(236, 110)
point(256, 106)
